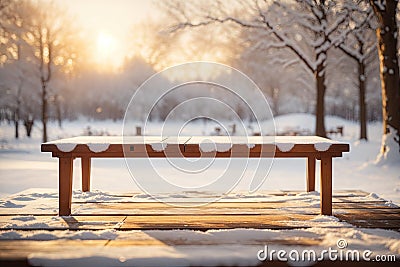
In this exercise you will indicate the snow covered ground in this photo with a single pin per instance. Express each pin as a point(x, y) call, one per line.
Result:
point(234, 247)
point(23, 166)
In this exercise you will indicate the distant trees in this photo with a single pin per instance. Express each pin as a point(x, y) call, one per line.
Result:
point(51, 38)
point(39, 39)
point(99, 95)
point(15, 69)
point(153, 42)
point(281, 77)
point(387, 34)
point(315, 23)
point(285, 46)
point(360, 45)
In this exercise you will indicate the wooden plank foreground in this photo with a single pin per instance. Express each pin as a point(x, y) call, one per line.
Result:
point(348, 206)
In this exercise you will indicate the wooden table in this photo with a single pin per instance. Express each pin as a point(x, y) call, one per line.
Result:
point(86, 147)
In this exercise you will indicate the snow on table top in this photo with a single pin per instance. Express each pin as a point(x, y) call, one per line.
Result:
point(194, 140)
point(108, 140)
point(206, 143)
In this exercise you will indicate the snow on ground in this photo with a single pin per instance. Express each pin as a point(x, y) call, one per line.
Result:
point(200, 249)
point(234, 247)
point(24, 167)
point(45, 201)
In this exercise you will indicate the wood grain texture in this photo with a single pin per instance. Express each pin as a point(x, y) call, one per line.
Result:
point(326, 185)
point(354, 207)
point(86, 166)
point(65, 185)
point(310, 175)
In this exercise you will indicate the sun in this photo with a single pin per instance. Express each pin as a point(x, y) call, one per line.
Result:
point(105, 42)
point(107, 50)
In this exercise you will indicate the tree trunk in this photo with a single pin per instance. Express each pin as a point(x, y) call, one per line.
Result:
point(28, 123)
point(44, 111)
point(58, 111)
point(16, 120)
point(16, 123)
point(275, 100)
point(319, 72)
point(17, 113)
point(389, 71)
point(362, 105)
point(320, 108)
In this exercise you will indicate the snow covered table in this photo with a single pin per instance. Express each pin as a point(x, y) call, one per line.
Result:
point(86, 147)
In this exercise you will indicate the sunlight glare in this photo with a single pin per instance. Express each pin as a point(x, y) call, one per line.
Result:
point(106, 51)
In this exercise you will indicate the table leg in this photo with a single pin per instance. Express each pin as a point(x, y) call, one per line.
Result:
point(85, 163)
point(326, 185)
point(65, 185)
point(311, 173)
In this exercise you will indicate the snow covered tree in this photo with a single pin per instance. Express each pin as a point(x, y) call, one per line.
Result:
point(282, 78)
point(387, 33)
point(50, 37)
point(314, 22)
point(155, 45)
point(15, 69)
point(40, 37)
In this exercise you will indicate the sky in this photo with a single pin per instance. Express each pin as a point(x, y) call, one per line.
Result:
point(109, 24)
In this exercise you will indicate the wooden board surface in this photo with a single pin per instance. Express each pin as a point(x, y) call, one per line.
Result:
point(353, 207)
point(350, 206)
point(190, 146)
point(193, 140)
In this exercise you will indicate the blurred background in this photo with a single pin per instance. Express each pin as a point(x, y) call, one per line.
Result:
point(67, 60)
point(70, 68)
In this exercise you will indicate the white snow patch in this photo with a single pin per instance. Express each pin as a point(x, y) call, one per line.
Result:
point(250, 146)
point(24, 218)
point(98, 147)
point(322, 146)
point(207, 147)
point(159, 147)
point(390, 204)
point(285, 147)
point(374, 196)
point(66, 147)
point(391, 155)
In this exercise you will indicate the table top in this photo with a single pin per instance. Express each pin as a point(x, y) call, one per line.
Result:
point(98, 144)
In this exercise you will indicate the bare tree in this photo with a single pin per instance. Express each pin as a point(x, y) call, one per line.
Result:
point(360, 45)
point(6, 14)
point(387, 33)
point(281, 78)
point(156, 46)
point(314, 22)
point(39, 39)
point(14, 50)
point(50, 36)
